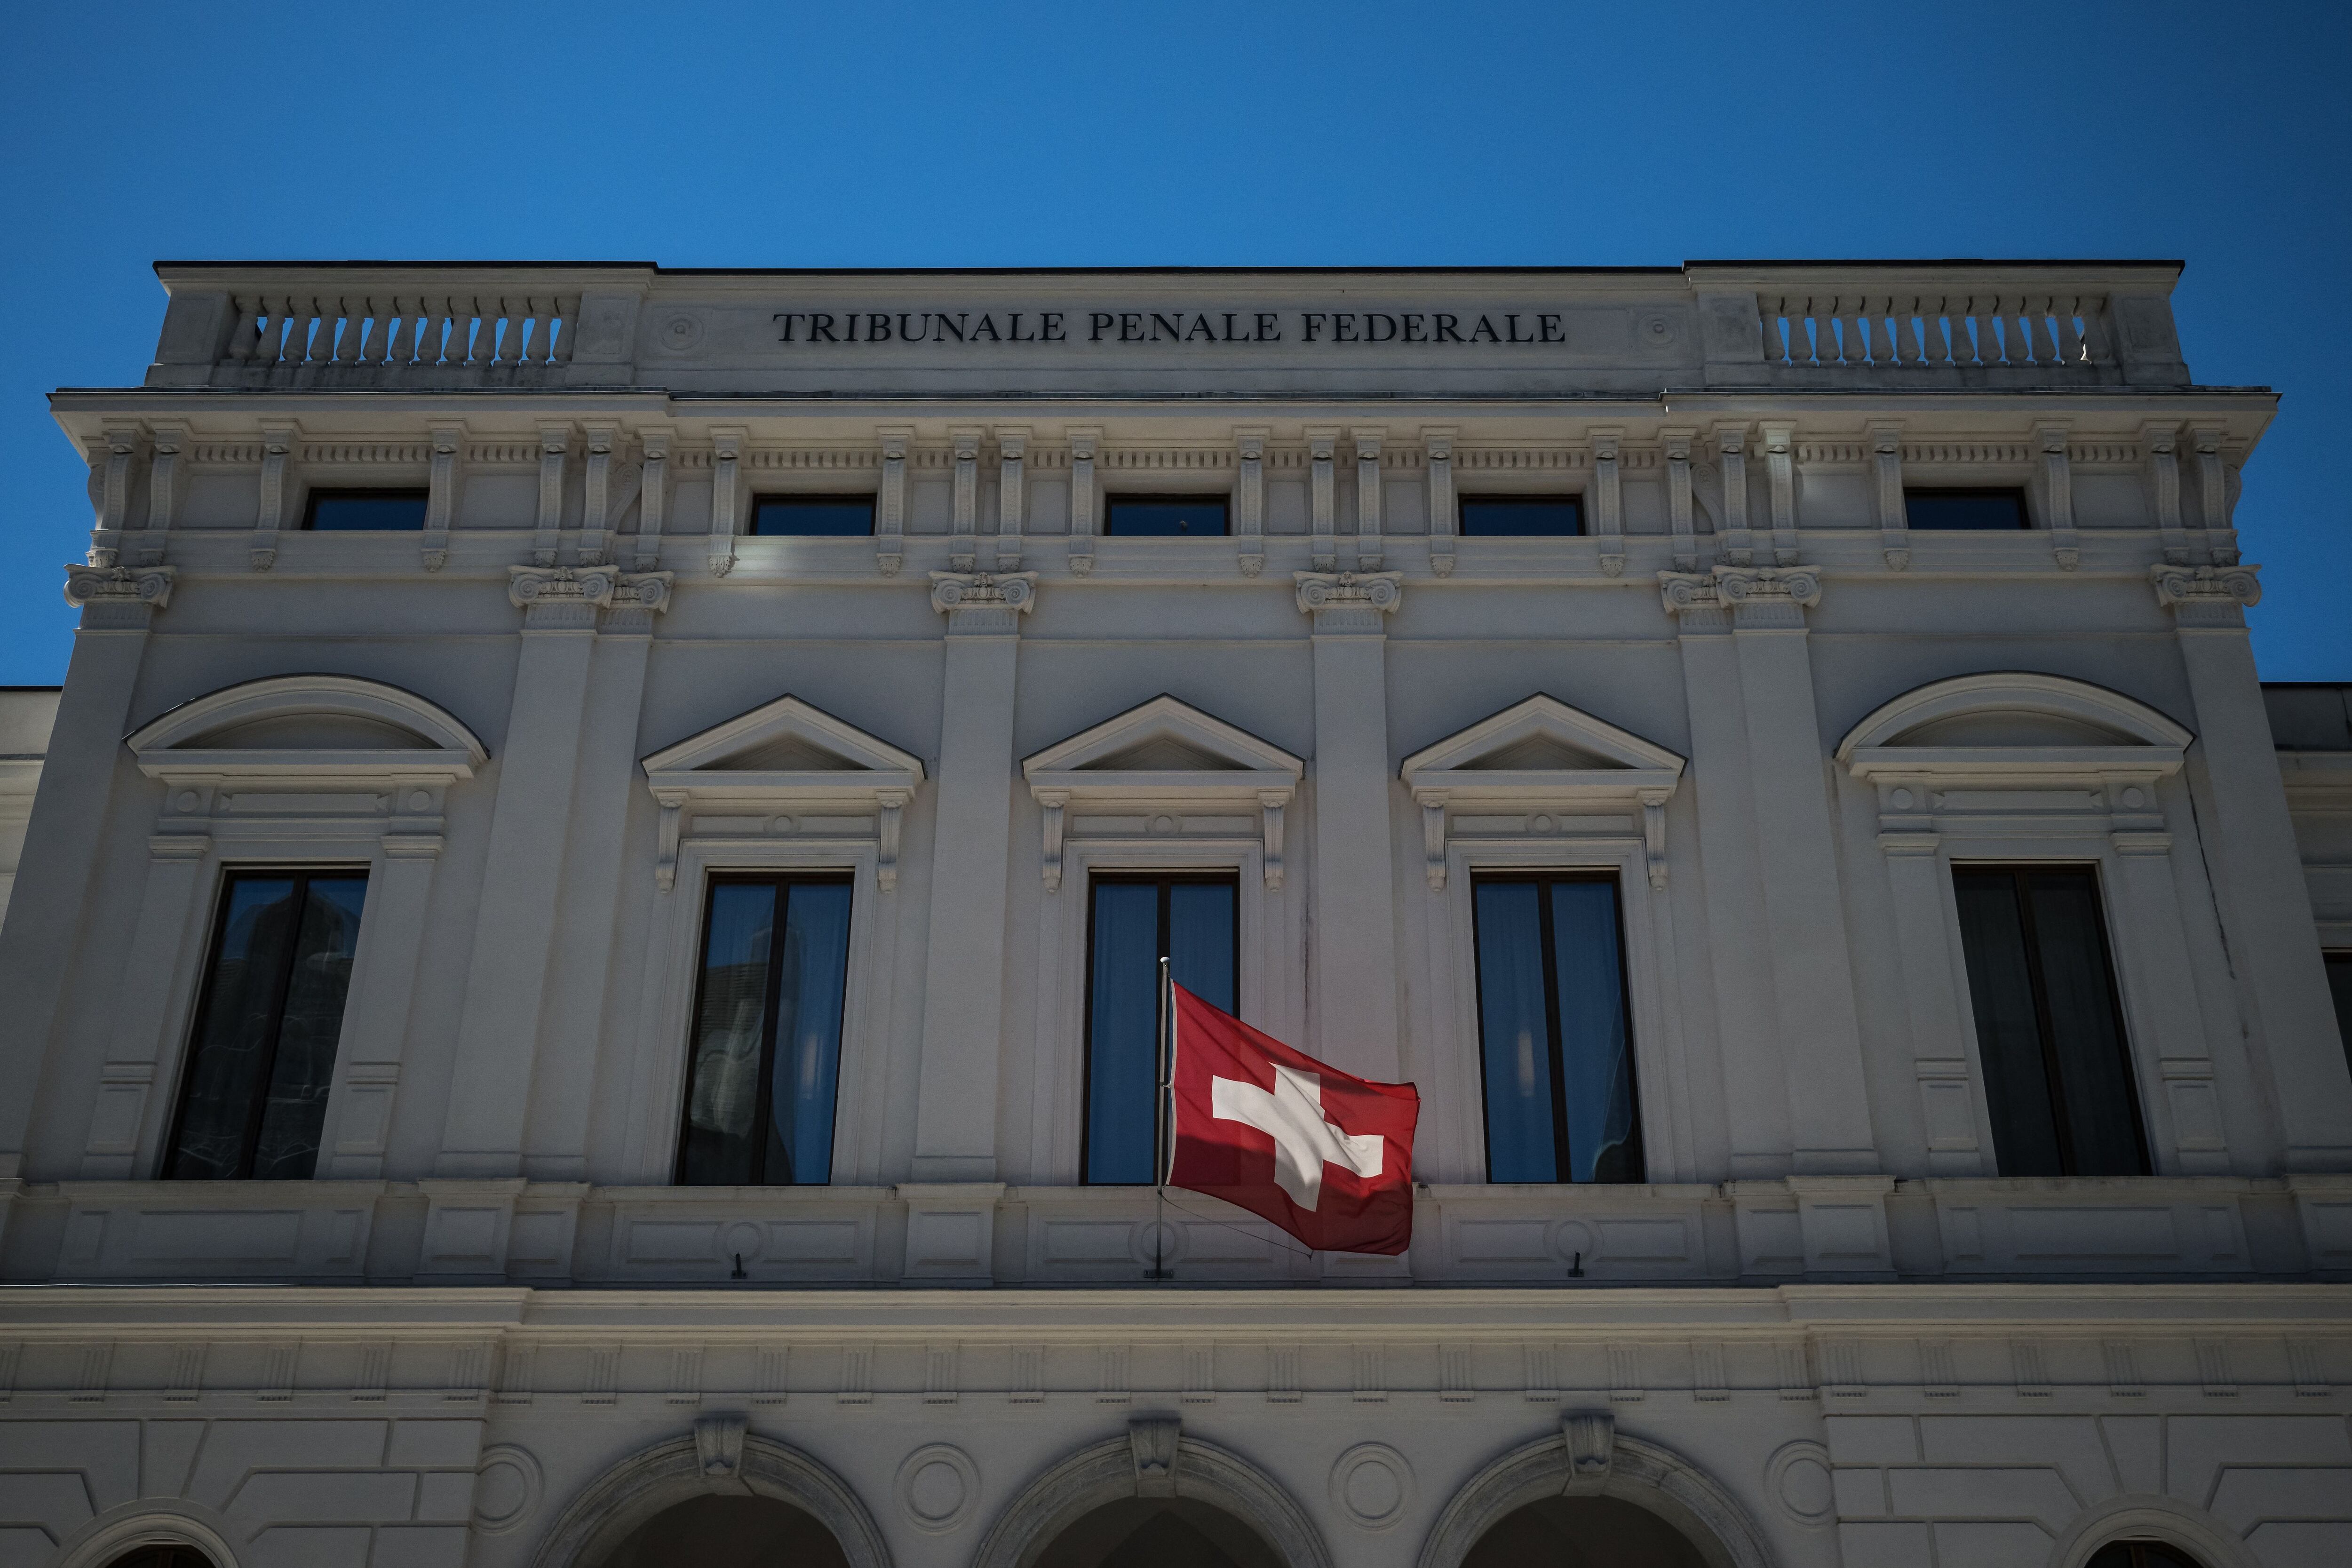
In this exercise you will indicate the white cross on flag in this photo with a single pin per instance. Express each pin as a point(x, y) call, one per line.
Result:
point(1324, 1155)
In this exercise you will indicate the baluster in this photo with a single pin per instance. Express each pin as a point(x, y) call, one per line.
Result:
point(379, 329)
point(2070, 337)
point(534, 333)
point(1984, 313)
point(270, 329)
point(300, 347)
point(1768, 311)
point(1934, 321)
point(2046, 345)
point(353, 323)
point(569, 310)
point(484, 327)
point(510, 334)
point(241, 339)
point(398, 351)
point(1857, 332)
point(436, 325)
point(1915, 323)
point(2016, 333)
point(2096, 347)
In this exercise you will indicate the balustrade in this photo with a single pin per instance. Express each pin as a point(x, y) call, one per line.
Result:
point(2042, 331)
point(296, 331)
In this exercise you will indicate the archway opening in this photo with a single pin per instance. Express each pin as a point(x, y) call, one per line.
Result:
point(718, 1531)
point(1584, 1532)
point(2140, 1554)
point(1158, 1532)
point(162, 1557)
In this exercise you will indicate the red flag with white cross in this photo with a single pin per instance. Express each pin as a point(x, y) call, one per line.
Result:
point(1326, 1155)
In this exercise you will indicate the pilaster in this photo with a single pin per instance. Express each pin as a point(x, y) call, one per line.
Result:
point(1353, 1009)
point(2257, 868)
point(963, 982)
point(1249, 498)
point(111, 456)
point(1810, 962)
point(597, 493)
point(2159, 443)
point(1677, 446)
point(1775, 442)
point(443, 483)
point(1737, 546)
point(964, 545)
point(2215, 504)
point(555, 447)
point(528, 880)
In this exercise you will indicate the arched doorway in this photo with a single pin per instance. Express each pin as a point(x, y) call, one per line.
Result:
point(162, 1557)
point(1582, 1532)
point(1159, 1533)
point(720, 1498)
point(715, 1531)
point(2140, 1554)
point(1153, 1499)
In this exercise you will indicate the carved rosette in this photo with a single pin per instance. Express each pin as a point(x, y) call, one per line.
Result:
point(1349, 601)
point(983, 601)
point(2207, 595)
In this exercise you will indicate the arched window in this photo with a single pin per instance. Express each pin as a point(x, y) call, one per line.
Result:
point(2140, 1554)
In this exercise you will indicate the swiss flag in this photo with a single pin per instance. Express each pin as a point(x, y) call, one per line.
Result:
point(1326, 1155)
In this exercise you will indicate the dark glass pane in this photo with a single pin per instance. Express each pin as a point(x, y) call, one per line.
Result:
point(334, 511)
point(1201, 940)
point(1488, 516)
point(1515, 1036)
point(311, 1024)
point(2086, 1037)
point(1122, 1060)
point(819, 515)
point(2339, 983)
point(2140, 1554)
point(1596, 1061)
point(1174, 516)
point(723, 1080)
point(814, 974)
point(2009, 1031)
point(230, 1052)
point(1965, 508)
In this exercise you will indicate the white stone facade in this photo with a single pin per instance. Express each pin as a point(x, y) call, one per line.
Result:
point(1827, 1330)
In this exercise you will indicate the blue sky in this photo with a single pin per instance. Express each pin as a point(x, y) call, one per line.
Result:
point(1207, 133)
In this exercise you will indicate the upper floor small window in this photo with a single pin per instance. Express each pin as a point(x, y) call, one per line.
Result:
point(1554, 1034)
point(1172, 517)
point(357, 511)
point(2049, 1032)
point(1523, 516)
point(814, 516)
point(1966, 509)
point(766, 1032)
point(253, 1097)
point(1134, 921)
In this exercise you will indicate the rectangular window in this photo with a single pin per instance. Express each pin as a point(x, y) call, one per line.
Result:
point(262, 1056)
point(353, 512)
point(1166, 517)
point(814, 516)
point(1554, 1029)
point(1972, 508)
point(766, 1032)
point(1134, 921)
point(1523, 516)
point(2049, 1032)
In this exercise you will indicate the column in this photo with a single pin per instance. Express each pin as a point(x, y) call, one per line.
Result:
point(556, 1140)
point(963, 980)
point(522, 874)
point(43, 939)
point(1353, 1008)
point(2256, 869)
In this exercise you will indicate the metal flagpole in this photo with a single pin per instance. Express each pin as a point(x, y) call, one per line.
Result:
point(1160, 1118)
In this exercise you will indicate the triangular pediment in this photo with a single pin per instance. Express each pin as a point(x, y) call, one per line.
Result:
point(784, 743)
point(1162, 738)
point(1541, 745)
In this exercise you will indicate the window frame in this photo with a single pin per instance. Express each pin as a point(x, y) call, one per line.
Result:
point(1462, 500)
point(1163, 881)
point(740, 877)
point(1224, 498)
point(871, 500)
point(313, 494)
point(200, 1003)
point(2126, 1037)
point(1562, 1156)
